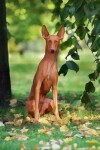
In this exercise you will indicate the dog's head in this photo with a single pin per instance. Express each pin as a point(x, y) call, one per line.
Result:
point(52, 41)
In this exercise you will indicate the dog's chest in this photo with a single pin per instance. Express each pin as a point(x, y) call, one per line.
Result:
point(46, 85)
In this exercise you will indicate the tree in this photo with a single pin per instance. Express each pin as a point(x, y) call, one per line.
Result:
point(5, 86)
point(82, 19)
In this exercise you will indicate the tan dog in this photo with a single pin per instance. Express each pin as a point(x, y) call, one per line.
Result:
point(46, 77)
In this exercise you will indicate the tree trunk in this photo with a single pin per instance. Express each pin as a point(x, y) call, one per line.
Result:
point(5, 86)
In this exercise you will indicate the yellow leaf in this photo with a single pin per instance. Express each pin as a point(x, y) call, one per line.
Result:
point(86, 118)
point(21, 137)
point(68, 134)
point(63, 128)
point(49, 132)
point(18, 122)
point(22, 147)
point(13, 102)
point(92, 141)
point(44, 121)
point(8, 138)
point(65, 120)
point(67, 140)
point(24, 130)
point(28, 119)
point(18, 115)
point(91, 132)
point(43, 130)
point(51, 117)
point(10, 122)
point(12, 110)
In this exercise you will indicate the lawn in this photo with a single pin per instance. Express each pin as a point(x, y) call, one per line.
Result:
point(80, 128)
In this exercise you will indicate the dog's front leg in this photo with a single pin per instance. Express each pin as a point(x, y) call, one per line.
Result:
point(37, 95)
point(55, 99)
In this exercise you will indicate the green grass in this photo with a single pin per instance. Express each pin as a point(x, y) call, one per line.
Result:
point(23, 70)
point(70, 88)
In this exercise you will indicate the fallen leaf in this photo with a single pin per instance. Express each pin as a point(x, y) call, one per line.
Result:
point(1, 124)
point(88, 131)
point(67, 140)
point(68, 134)
point(51, 117)
point(21, 137)
point(98, 128)
point(93, 141)
point(17, 116)
point(63, 128)
point(80, 135)
point(91, 132)
point(55, 146)
point(16, 136)
point(18, 122)
point(40, 131)
point(8, 138)
point(49, 132)
point(24, 130)
point(12, 110)
point(75, 145)
point(13, 102)
point(44, 121)
point(28, 119)
point(22, 147)
point(10, 123)
point(65, 120)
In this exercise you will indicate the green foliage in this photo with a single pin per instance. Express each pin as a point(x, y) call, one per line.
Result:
point(24, 18)
point(82, 19)
point(72, 65)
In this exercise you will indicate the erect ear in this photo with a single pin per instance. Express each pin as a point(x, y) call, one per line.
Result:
point(45, 32)
point(61, 32)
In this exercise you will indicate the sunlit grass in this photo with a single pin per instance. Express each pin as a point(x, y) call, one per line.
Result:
point(24, 67)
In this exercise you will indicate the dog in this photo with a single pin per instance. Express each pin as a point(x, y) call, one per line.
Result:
point(46, 77)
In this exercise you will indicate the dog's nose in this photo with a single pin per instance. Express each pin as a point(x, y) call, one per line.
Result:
point(52, 50)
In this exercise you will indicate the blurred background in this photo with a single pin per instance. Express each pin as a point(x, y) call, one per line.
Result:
point(26, 49)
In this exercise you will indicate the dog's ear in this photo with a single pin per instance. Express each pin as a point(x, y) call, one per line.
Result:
point(45, 32)
point(61, 32)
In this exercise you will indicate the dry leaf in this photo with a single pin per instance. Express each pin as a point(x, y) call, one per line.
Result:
point(75, 145)
point(16, 136)
point(22, 147)
point(98, 128)
point(65, 120)
point(80, 135)
point(44, 121)
point(88, 131)
point(49, 132)
point(24, 130)
point(12, 110)
point(63, 128)
point(93, 141)
point(8, 138)
point(18, 122)
point(28, 119)
point(10, 122)
point(68, 134)
point(91, 132)
point(1, 124)
point(67, 140)
point(21, 137)
point(17, 116)
point(13, 102)
point(43, 130)
point(51, 117)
